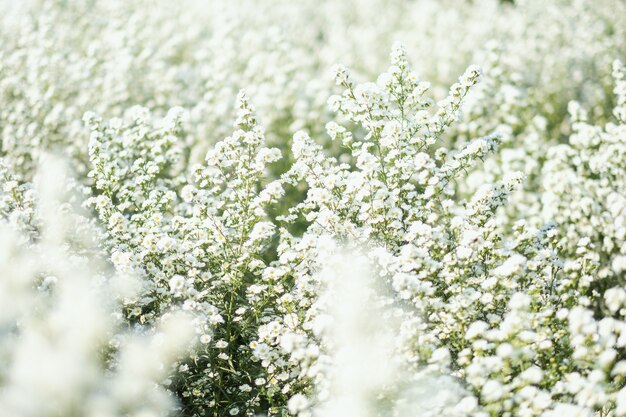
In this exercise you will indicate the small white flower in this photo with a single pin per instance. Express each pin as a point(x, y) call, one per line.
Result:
point(176, 283)
point(511, 266)
point(476, 329)
point(533, 375)
point(492, 391)
point(297, 403)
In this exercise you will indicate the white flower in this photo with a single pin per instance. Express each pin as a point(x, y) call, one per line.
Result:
point(511, 266)
point(187, 193)
point(619, 264)
point(464, 252)
point(519, 301)
point(492, 391)
point(533, 375)
point(297, 403)
point(615, 298)
point(441, 355)
point(476, 329)
point(176, 283)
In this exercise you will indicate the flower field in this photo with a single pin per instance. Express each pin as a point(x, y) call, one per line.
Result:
point(313, 208)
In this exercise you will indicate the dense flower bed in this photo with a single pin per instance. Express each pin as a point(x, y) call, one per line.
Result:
point(441, 231)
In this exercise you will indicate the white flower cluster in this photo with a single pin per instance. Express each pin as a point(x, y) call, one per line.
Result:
point(199, 241)
point(60, 320)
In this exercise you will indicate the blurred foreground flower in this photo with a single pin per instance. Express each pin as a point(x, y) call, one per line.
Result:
point(62, 347)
